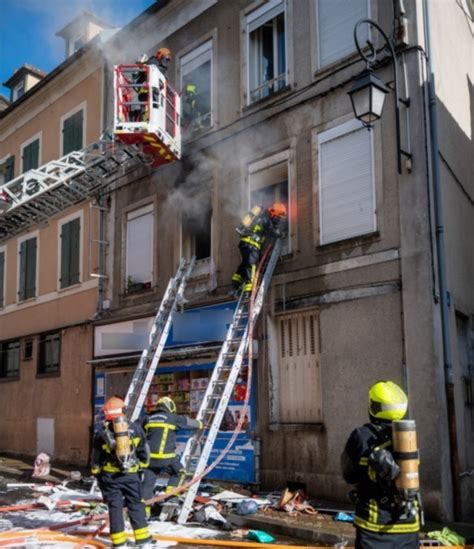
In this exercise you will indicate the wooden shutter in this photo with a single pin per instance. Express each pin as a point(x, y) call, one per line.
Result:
point(65, 247)
point(9, 169)
point(2, 277)
point(336, 21)
point(31, 156)
point(72, 133)
point(74, 250)
point(346, 183)
point(22, 290)
point(299, 368)
point(78, 129)
point(30, 279)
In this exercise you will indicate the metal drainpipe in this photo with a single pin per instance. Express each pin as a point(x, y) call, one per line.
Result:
point(441, 252)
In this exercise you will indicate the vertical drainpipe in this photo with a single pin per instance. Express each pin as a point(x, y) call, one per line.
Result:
point(441, 252)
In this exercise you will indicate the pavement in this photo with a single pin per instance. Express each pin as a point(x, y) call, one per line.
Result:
point(318, 529)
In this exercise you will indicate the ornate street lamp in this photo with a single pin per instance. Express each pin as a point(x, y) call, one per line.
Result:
point(368, 91)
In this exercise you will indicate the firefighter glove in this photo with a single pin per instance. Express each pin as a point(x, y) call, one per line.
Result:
point(384, 465)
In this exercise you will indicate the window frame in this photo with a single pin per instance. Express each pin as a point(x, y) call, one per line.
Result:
point(201, 43)
point(329, 134)
point(82, 106)
point(56, 371)
point(3, 281)
point(64, 221)
point(37, 137)
point(16, 376)
point(254, 12)
point(22, 85)
point(34, 234)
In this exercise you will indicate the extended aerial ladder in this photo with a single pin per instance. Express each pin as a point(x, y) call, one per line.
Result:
point(143, 375)
point(231, 360)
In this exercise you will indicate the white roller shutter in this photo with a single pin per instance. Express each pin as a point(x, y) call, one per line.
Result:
point(346, 183)
point(336, 20)
point(140, 245)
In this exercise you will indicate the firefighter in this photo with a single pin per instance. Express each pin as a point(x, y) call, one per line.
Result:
point(160, 428)
point(119, 453)
point(255, 228)
point(161, 59)
point(367, 462)
point(192, 116)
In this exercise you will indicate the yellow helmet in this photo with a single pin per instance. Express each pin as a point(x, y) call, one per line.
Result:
point(387, 401)
point(168, 403)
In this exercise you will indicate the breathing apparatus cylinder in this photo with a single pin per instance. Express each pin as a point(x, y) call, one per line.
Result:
point(123, 448)
point(249, 219)
point(405, 451)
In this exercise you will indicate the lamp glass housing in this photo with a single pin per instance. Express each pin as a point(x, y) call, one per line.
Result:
point(367, 97)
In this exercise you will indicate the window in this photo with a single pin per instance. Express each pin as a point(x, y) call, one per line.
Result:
point(78, 44)
point(346, 183)
point(30, 155)
point(269, 184)
point(10, 359)
point(299, 371)
point(266, 47)
point(139, 260)
point(197, 233)
point(49, 353)
point(18, 90)
point(73, 139)
point(196, 83)
point(28, 349)
point(335, 28)
point(27, 269)
point(2, 278)
point(7, 169)
point(70, 253)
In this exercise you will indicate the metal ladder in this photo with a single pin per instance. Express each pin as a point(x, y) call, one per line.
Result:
point(143, 375)
point(33, 197)
point(222, 382)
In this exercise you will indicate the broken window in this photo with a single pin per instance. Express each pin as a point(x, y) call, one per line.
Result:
point(197, 233)
point(10, 359)
point(49, 353)
point(299, 370)
point(196, 86)
point(266, 35)
point(346, 182)
point(139, 249)
point(30, 156)
point(70, 253)
point(269, 183)
point(27, 286)
point(335, 28)
point(73, 132)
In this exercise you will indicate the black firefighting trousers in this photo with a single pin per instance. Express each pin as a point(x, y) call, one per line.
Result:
point(119, 490)
point(245, 273)
point(373, 540)
point(171, 467)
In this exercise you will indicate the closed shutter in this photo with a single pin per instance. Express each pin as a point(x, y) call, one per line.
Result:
point(336, 21)
point(346, 184)
point(30, 283)
point(22, 291)
point(65, 246)
point(9, 169)
point(2, 278)
point(31, 156)
point(74, 249)
point(299, 368)
point(139, 246)
point(72, 133)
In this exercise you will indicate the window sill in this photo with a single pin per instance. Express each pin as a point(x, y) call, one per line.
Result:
point(71, 287)
point(194, 136)
point(8, 379)
point(319, 427)
point(29, 300)
point(267, 101)
point(46, 375)
point(350, 242)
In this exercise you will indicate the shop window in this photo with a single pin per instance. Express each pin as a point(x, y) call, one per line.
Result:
point(49, 353)
point(139, 249)
point(197, 233)
point(268, 184)
point(73, 132)
point(299, 369)
point(196, 85)
point(10, 359)
point(30, 156)
point(346, 182)
point(27, 283)
point(266, 50)
point(70, 253)
point(2, 278)
point(335, 28)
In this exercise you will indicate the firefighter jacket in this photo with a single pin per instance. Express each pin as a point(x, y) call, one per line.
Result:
point(261, 228)
point(160, 428)
point(378, 506)
point(104, 459)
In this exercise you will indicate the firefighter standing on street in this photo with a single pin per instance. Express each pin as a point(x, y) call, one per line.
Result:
point(160, 428)
point(367, 462)
point(119, 452)
point(255, 228)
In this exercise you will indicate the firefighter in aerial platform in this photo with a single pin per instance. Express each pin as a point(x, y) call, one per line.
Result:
point(161, 60)
point(256, 227)
point(119, 454)
point(383, 517)
point(160, 428)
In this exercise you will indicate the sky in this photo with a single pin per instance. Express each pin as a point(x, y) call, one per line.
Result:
point(28, 28)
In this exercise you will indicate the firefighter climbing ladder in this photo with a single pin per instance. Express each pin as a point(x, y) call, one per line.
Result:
point(222, 382)
point(38, 194)
point(143, 376)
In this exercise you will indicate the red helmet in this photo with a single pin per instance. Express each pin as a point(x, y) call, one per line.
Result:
point(163, 54)
point(278, 209)
point(113, 408)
